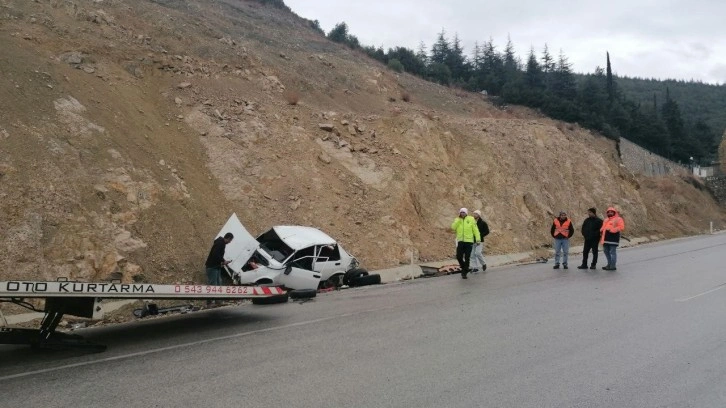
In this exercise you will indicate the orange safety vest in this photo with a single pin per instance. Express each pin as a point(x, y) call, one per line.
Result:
point(562, 229)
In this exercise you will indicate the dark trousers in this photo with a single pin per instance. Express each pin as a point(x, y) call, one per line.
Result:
point(463, 255)
point(590, 245)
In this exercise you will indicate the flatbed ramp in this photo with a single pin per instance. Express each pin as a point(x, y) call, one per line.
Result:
point(83, 299)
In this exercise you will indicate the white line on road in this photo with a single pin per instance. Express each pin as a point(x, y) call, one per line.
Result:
point(190, 344)
point(721, 286)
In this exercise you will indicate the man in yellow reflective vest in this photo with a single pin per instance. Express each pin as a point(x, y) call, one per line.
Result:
point(467, 233)
point(562, 229)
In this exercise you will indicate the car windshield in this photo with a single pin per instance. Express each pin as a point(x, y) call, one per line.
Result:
point(273, 245)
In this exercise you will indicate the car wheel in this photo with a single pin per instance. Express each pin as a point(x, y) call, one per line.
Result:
point(303, 293)
point(352, 275)
point(271, 300)
point(365, 280)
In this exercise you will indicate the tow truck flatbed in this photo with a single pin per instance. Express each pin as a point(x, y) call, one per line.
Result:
point(84, 299)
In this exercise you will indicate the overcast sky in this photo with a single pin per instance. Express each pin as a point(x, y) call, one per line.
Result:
point(682, 39)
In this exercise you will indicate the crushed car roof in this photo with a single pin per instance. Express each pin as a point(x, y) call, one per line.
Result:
point(298, 237)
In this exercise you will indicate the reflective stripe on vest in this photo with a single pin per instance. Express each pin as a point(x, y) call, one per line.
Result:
point(562, 229)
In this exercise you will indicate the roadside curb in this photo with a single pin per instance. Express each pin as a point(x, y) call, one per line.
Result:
point(414, 271)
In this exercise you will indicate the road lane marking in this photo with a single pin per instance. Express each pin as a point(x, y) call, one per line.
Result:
point(721, 286)
point(191, 344)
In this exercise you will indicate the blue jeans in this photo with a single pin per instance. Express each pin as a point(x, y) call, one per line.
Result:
point(611, 255)
point(561, 245)
point(214, 276)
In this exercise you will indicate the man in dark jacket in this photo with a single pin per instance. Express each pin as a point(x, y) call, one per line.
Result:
point(562, 230)
point(215, 260)
point(591, 231)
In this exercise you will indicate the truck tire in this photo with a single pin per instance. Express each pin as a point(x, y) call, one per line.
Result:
point(303, 293)
point(271, 300)
point(366, 280)
point(352, 275)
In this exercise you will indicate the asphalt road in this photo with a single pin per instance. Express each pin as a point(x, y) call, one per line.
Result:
point(651, 334)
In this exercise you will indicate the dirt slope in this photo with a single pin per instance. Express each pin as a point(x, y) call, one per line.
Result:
point(130, 130)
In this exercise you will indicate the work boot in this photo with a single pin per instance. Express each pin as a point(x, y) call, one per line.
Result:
point(484, 268)
point(606, 267)
point(564, 266)
point(557, 266)
point(582, 267)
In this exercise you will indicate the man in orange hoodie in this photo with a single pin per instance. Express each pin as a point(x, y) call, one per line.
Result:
point(610, 237)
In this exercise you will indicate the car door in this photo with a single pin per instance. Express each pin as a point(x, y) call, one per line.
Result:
point(299, 273)
point(328, 261)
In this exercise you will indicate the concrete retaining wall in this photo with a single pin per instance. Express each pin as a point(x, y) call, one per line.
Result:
point(717, 185)
point(641, 161)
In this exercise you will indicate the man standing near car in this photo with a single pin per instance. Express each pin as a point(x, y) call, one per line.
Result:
point(467, 234)
point(215, 261)
point(591, 232)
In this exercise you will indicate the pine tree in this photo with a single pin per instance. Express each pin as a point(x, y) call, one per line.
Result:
point(593, 100)
point(610, 82)
point(455, 60)
point(440, 73)
point(421, 54)
point(510, 59)
point(512, 73)
point(476, 57)
point(679, 146)
point(440, 50)
point(408, 60)
point(533, 75)
point(564, 85)
point(339, 33)
point(492, 74)
point(548, 63)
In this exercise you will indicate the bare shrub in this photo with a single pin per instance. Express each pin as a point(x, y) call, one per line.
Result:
point(666, 187)
point(461, 93)
point(695, 182)
point(292, 97)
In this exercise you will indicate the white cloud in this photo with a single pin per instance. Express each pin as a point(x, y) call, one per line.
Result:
point(663, 39)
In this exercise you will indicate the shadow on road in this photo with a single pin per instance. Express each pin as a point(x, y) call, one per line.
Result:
point(141, 335)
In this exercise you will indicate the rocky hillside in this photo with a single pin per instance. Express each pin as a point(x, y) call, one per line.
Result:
point(130, 130)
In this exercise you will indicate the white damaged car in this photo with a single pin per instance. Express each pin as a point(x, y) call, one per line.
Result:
point(295, 257)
